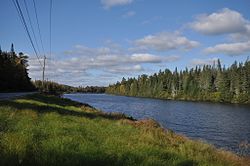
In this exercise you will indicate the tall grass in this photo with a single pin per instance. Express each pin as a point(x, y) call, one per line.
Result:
point(46, 130)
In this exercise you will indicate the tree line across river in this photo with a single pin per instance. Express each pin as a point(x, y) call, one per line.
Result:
point(56, 88)
point(207, 83)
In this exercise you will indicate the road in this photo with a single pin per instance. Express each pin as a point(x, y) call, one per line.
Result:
point(6, 96)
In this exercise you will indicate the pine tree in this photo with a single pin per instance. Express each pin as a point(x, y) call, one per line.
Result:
point(12, 48)
point(14, 72)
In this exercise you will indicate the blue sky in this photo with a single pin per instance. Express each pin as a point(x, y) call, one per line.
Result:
point(97, 42)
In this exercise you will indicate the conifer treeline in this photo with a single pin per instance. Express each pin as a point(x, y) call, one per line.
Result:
point(56, 88)
point(14, 72)
point(207, 83)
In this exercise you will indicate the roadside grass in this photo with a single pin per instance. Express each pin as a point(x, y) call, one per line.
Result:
point(47, 130)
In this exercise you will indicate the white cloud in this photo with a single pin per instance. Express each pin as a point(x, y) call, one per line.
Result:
point(225, 21)
point(222, 22)
point(229, 48)
point(81, 60)
point(86, 51)
point(149, 58)
point(146, 58)
point(228, 22)
point(129, 14)
point(165, 41)
point(126, 69)
point(115, 56)
point(107, 4)
point(201, 62)
point(241, 36)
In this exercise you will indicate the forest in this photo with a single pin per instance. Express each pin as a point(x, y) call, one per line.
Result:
point(14, 72)
point(56, 88)
point(201, 83)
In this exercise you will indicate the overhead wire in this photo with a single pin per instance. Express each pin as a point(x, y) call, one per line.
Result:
point(31, 25)
point(50, 20)
point(38, 26)
point(21, 16)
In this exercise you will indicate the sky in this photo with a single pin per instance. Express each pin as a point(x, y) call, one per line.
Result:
point(97, 42)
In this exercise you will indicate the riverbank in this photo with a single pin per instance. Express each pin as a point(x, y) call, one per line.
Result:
point(181, 99)
point(47, 130)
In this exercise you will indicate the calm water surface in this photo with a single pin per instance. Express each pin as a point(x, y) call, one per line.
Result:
point(224, 125)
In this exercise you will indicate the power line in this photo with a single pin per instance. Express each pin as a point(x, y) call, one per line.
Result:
point(21, 16)
point(50, 16)
point(18, 13)
point(38, 26)
point(31, 25)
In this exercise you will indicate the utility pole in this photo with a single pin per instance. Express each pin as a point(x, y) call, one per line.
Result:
point(44, 64)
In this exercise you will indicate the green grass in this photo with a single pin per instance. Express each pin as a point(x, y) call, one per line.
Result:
point(46, 130)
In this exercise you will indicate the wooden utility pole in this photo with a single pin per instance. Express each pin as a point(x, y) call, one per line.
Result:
point(44, 64)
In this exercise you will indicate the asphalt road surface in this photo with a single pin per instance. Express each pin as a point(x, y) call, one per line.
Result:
point(7, 96)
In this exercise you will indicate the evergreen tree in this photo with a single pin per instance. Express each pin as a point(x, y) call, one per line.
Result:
point(14, 72)
point(12, 50)
point(210, 83)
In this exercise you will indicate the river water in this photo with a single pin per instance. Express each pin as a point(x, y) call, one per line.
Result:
point(223, 125)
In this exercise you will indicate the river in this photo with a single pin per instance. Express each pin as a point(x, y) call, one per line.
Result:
point(223, 125)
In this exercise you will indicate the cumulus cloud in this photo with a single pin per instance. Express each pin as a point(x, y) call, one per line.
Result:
point(222, 22)
point(69, 71)
point(149, 58)
point(107, 4)
point(241, 36)
point(225, 21)
point(165, 41)
point(106, 56)
point(82, 50)
point(229, 48)
point(125, 69)
point(146, 58)
point(81, 60)
point(129, 14)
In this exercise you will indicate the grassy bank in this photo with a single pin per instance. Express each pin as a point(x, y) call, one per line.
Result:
point(46, 130)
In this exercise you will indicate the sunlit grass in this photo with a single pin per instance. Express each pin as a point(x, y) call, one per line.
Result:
point(46, 130)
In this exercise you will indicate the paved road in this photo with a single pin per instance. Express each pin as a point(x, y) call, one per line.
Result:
point(6, 96)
